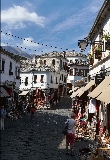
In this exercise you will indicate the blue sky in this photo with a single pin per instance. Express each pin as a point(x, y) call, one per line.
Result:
point(56, 23)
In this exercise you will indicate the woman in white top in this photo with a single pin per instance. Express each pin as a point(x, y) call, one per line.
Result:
point(71, 133)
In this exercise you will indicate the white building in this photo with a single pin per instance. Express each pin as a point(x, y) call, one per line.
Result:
point(79, 68)
point(10, 74)
point(100, 67)
point(44, 71)
point(39, 78)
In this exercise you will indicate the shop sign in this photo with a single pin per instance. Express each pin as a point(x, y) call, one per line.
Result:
point(99, 78)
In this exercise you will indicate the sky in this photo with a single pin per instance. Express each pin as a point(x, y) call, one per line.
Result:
point(44, 26)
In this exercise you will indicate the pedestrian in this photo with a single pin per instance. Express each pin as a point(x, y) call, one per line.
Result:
point(32, 110)
point(70, 136)
point(28, 108)
point(59, 97)
point(2, 117)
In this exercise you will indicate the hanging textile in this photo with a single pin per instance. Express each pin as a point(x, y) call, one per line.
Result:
point(92, 106)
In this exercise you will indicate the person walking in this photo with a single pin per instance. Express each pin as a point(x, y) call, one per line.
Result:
point(70, 133)
point(2, 117)
point(32, 110)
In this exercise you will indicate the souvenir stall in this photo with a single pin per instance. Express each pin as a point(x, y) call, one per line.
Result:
point(24, 96)
point(39, 98)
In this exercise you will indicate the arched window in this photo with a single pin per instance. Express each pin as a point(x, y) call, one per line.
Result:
point(53, 62)
point(45, 62)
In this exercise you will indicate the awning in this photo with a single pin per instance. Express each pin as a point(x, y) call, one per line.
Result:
point(80, 93)
point(91, 83)
point(73, 89)
point(17, 90)
point(4, 92)
point(77, 92)
point(105, 95)
point(100, 87)
point(23, 93)
point(1, 94)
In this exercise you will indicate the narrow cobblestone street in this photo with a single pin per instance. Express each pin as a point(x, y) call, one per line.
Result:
point(39, 139)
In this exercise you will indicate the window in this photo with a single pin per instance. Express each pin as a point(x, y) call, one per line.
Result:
point(71, 72)
point(86, 71)
point(3, 65)
point(65, 66)
point(20, 81)
point(71, 61)
point(65, 79)
point(35, 78)
point(45, 62)
point(0, 65)
point(53, 62)
point(56, 81)
point(41, 62)
point(26, 81)
point(62, 77)
point(10, 69)
point(60, 63)
point(10, 66)
point(81, 72)
point(42, 79)
point(15, 71)
point(51, 81)
point(19, 72)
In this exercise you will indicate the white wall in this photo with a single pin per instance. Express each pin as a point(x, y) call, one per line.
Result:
point(76, 57)
point(49, 61)
point(106, 27)
point(96, 70)
point(70, 78)
point(47, 80)
point(5, 75)
point(75, 78)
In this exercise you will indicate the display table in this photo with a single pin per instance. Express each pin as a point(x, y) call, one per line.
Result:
point(99, 157)
point(99, 149)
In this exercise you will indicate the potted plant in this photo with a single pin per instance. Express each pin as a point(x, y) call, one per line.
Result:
point(107, 38)
point(91, 58)
point(97, 50)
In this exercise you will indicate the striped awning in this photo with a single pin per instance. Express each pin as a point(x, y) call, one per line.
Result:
point(24, 93)
point(95, 93)
point(77, 92)
point(4, 92)
point(91, 83)
point(102, 96)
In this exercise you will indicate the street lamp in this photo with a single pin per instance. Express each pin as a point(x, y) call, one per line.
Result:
point(84, 43)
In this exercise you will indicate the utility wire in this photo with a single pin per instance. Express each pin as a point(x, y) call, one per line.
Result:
point(27, 40)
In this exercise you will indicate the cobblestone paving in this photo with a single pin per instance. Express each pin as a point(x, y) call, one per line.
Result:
point(39, 139)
